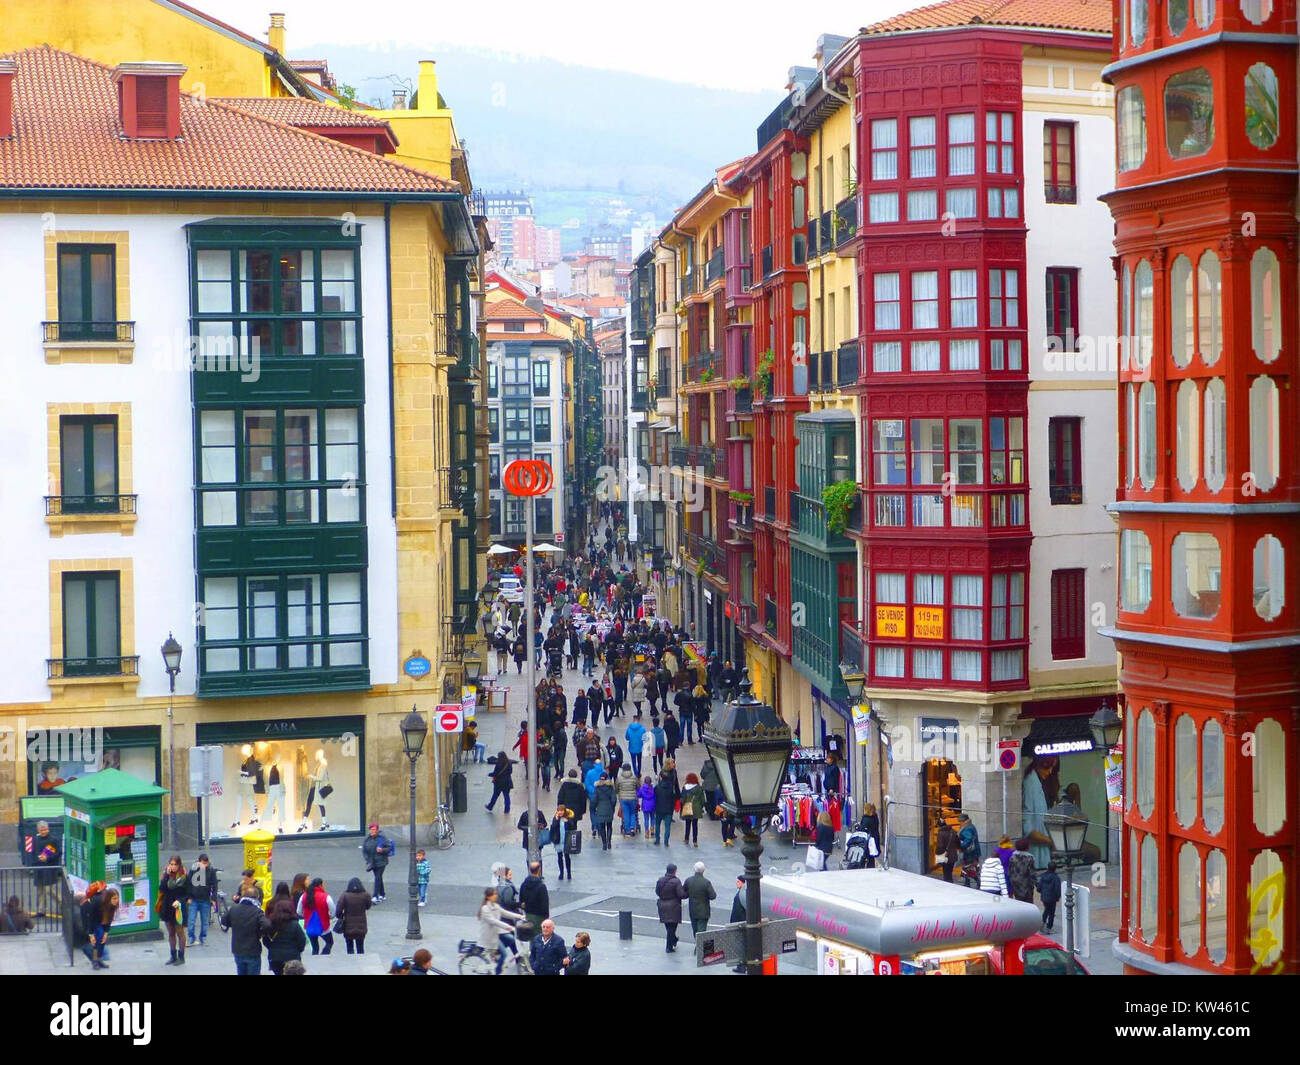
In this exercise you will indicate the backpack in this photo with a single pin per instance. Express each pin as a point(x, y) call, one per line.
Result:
point(508, 896)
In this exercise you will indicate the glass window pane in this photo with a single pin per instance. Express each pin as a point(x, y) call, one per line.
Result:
point(1209, 305)
point(1132, 128)
point(1138, 21)
point(1135, 562)
point(1216, 434)
point(961, 145)
point(1212, 776)
point(1269, 585)
point(1265, 454)
point(1182, 311)
point(1261, 105)
point(1194, 575)
point(1216, 906)
point(1150, 917)
point(1269, 776)
point(1188, 444)
point(1147, 434)
point(1268, 917)
point(1265, 302)
point(1189, 898)
point(1185, 770)
point(1146, 763)
point(1189, 113)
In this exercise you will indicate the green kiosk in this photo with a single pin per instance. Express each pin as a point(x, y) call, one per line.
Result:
point(112, 827)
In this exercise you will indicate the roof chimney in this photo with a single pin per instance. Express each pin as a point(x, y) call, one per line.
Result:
point(275, 35)
point(427, 90)
point(7, 69)
point(399, 99)
point(149, 99)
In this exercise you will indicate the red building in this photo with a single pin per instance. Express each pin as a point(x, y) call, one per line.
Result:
point(1205, 214)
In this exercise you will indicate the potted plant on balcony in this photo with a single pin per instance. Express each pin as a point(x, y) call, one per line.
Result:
point(707, 375)
point(743, 498)
point(838, 499)
point(739, 382)
point(763, 373)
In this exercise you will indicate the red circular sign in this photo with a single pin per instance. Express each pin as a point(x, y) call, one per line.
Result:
point(448, 721)
point(528, 477)
point(1007, 759)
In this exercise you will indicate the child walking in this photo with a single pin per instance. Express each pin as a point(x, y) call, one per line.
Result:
point(422, 871)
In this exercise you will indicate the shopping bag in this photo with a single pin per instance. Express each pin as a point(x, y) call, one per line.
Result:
point(573, 842)
point(872, 847)
point(815, 860)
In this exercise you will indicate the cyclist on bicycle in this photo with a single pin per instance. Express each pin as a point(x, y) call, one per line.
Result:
point(495, 936)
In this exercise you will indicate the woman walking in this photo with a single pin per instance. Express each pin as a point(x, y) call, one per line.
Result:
point(352, 909)
point(637, 690)
point(172, 899)
point(286, 940)
point(602, 809)
point(825, 838)
point(692, 809)
point(562, 827)
point(669, 893)
point(502, 780)
point(316, 909)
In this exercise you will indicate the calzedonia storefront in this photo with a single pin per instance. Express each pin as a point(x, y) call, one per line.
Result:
point(289, 776)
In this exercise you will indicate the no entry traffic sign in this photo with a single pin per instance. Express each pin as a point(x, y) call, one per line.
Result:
point(449, 717)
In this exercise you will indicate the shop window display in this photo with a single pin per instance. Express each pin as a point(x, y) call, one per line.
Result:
point(289, 787)
point(60, 756)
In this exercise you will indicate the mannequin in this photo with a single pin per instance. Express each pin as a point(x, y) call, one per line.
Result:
point(250, 776)
point(302, 779)
point(319, 778)
point(274, 791)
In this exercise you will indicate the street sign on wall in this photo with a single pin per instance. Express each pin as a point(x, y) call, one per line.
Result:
point(416, 666)
point(449, 717)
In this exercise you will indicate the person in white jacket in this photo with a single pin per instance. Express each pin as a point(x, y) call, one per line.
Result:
point(494, 934)
point(993, 878)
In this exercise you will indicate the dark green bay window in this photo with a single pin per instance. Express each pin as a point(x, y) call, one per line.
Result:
point(283, 622)
point(91, 629)
point(280, 490)
point(88, 464)
point(87, 292)
point(280, 466)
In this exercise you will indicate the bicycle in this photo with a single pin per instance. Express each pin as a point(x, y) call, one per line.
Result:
point(442, 833)
point(473, 960)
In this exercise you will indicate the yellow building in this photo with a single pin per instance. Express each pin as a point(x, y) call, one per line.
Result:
point(424, 282)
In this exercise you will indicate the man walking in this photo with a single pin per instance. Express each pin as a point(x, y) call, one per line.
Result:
point(203, 885)
point(534, 896)
point(700, 892)
point(247, 924)
point(669, 893)
point(548, 952)
point(665, 801)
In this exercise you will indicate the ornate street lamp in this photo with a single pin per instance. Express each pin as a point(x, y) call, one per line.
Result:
point(750, 746)
point(473, 668)
point(1106, 726)
point(414, 730)
point(1067, 828)
point(171, 653)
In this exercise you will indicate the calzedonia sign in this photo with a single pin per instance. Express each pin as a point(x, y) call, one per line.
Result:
point(905, 930)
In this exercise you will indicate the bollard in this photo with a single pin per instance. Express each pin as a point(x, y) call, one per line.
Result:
point(624, 924)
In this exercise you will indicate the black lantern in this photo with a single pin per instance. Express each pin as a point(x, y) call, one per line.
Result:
point(414, 729)
point(1106, 726)
point(171, 652)
point(473, 668)
point(750, 745)
point(855, 682)
point(1067, 827)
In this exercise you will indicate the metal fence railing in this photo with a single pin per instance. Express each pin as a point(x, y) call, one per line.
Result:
point(50, 908)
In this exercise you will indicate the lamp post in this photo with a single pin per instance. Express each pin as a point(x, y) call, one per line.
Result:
point(750, 746)
point(171, 652)
point(473, 668)
point(1106, 727)
point(1068, 827)
point(855, 682)
point(414, 729)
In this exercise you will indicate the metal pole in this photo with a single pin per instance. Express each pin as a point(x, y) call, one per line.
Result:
point(412, 894)
point(171, 759)
point(1069, 907)
point(753, 850)
point(534, 837)
point(1003, 775)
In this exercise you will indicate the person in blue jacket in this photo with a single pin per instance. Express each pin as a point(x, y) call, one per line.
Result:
point(589, 782)
point(635, 736)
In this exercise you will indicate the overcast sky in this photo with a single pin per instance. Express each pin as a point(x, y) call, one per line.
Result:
point(720, 45)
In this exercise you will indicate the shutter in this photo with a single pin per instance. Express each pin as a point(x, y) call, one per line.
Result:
point(151, 106)
point(1068, 614)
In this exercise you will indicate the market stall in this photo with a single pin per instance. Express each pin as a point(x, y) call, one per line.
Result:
point(887, 922)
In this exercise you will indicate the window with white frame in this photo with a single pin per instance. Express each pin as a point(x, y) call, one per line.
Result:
point(964, 299)
point(884, 149)
point(925, 299)
point(925, 356)
point(1004, 299)
point(961, 145)
point(887, 356)
point(885, 289)
point(920, 133)
point(882, 207)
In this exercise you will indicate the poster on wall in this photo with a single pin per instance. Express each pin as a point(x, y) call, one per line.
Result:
point(1114, 763)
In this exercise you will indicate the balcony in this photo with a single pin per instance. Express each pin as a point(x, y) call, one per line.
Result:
point(769, 503)
point(713, 269)
point(846, 364)
point(1066, 494)
point(744, 518)
point(744, 400)
point(1060, 193)
point(846, 220)
point(664, 387)
point(713, 460)
point(111, 504)
point(712, 554)
point(698, 365)
point(679, 455)
point(853, 649)
point(640, 399)
point(121, 666)
point(769, 615)
point(767, 262)
point(794, 507)
point(813, 244)
point(89, 332)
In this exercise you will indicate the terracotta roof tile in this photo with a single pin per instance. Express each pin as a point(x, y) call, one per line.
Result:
point(499, 310)
point(295, 111)
point(67, 135)
point(1092, 16)
point(543, 337)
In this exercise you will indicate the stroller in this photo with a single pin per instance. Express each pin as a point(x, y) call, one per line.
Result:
point(554, 664)
point(857, 849)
